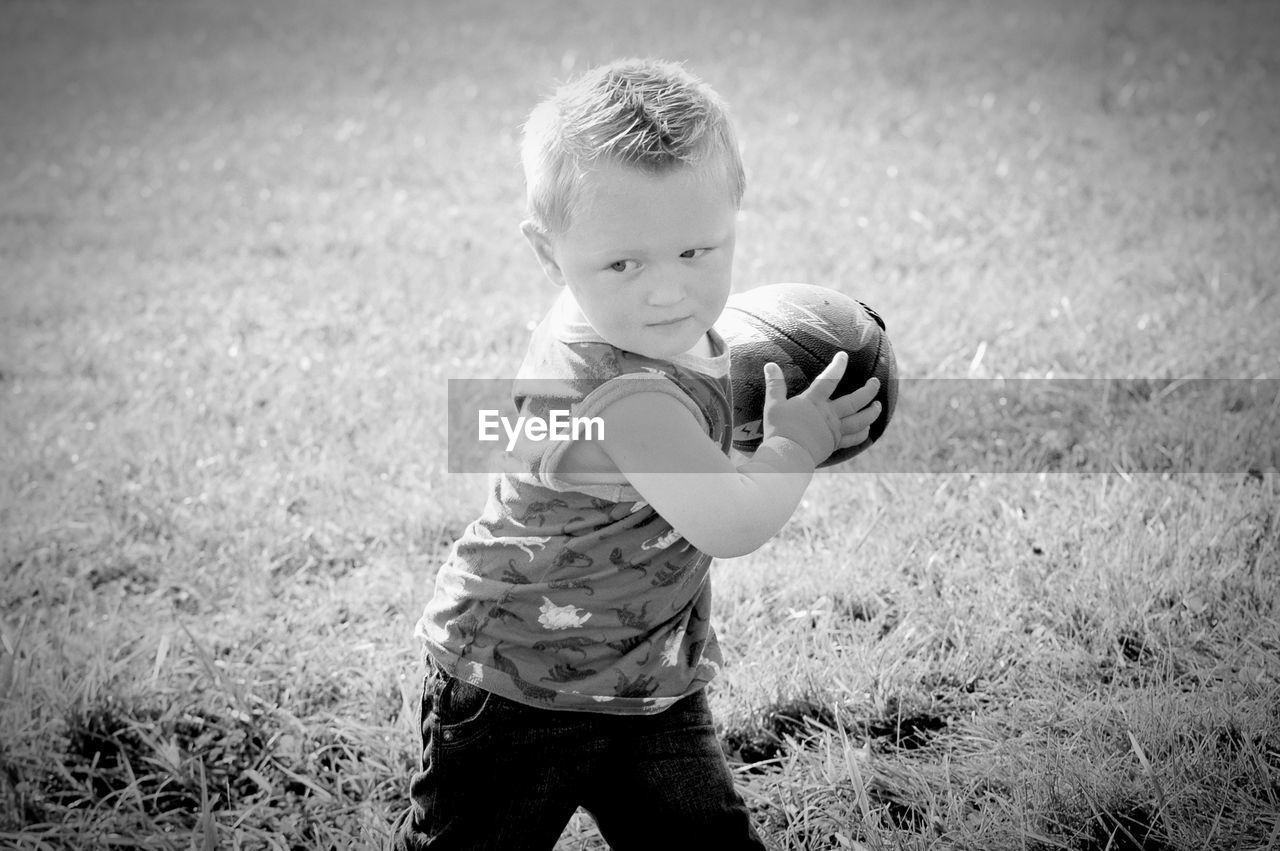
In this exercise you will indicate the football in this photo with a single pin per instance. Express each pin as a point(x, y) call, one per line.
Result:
point(800, 327)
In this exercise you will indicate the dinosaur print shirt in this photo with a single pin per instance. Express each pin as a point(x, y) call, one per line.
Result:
point(582, 597)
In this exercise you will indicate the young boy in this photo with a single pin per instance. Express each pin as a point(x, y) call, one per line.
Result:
point(569, 637)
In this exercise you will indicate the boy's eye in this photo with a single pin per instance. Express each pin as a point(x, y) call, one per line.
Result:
point(620, 265)
point(693, 252)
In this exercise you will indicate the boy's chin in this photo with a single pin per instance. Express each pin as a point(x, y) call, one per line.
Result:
point(666, 352)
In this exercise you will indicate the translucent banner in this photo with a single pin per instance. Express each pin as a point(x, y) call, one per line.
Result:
point(1070, 425)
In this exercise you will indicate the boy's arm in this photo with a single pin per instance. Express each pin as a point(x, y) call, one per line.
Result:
point(723, 509)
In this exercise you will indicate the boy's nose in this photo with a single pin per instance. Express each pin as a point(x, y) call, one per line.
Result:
point(664, 297)
point(669, 291)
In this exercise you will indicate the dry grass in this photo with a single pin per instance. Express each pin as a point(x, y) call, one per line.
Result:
point(242, 247)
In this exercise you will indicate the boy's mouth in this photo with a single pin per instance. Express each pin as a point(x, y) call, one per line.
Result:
point(667, 322)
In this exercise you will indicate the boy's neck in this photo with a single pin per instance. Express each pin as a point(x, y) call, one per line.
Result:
point(703, 347)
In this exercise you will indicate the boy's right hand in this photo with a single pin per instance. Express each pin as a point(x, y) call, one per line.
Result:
point(812, 418)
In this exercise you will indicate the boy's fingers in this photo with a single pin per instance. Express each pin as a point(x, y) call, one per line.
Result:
point(854, 439)
point(825, 384)
point(860, 398)
point(775, 383)
point(862, 419)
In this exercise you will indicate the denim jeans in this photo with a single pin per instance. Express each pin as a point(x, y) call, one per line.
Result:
point(501, 775)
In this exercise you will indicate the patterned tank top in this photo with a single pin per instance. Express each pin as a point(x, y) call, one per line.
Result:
point(582, 597)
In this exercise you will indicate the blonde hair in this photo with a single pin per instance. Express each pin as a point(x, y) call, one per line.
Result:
point(645, 113)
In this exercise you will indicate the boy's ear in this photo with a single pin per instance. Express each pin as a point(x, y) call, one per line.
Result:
point(540, 242)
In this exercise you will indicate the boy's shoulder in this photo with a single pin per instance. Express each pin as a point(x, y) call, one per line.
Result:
point(565, 347)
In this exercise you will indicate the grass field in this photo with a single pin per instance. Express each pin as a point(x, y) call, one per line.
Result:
point(243, 246)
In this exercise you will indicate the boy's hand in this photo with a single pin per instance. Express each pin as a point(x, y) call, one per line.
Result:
point(812, 418)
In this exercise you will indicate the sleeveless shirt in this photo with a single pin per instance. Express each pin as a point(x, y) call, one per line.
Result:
point(580, 596)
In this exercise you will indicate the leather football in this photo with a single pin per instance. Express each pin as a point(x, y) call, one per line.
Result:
point(800, 327)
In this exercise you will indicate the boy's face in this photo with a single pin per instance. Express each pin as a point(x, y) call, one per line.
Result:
point(647, 257)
